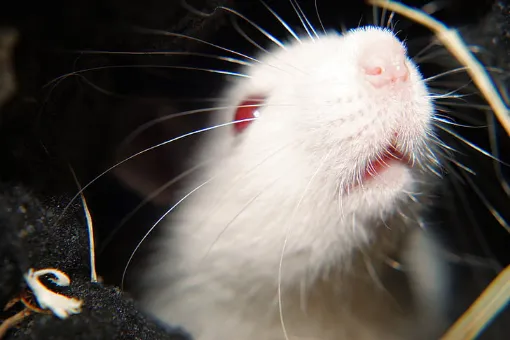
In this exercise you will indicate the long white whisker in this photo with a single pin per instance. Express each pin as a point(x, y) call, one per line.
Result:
point(466, 208)
point(158, 120)
point(169, 53)
point(389, 23)
point(280, 306)
point(416, 57)
point(489, 206)
point(301, 19)
point(257, 27)
point(451, 94)
point(319, 17)
point(284, 24)
point(228, 73)
point(482, 151)
point(144, 151)
point(154, 226)
point(243, 209)
point(143, 30)
point(461, 166)
point(453, 71)
point(151, 196)
point(449, 122)
point(306, 19)
point(245, 36)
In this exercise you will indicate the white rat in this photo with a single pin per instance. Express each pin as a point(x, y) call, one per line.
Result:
point(304, 207)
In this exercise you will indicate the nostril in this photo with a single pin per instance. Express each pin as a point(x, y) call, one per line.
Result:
point(385, 73)
point(373, 71)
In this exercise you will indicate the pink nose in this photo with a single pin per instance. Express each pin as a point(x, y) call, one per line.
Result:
point(383, 71)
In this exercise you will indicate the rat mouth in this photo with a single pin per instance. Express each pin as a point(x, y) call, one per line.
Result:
point(384, 161)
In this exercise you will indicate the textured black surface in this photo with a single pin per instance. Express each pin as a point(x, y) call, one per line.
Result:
point(37, 236)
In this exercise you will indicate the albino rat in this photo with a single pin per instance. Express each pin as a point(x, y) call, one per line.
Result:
point(307, 204)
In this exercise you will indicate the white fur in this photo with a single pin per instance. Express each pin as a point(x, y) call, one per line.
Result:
point(288, 178)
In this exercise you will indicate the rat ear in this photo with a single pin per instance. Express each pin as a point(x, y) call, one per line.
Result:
point(150, 171)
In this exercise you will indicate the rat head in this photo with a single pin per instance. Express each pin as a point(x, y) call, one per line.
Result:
point(343, 120)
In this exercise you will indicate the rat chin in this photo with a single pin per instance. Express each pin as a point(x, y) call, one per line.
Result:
point(381, 192)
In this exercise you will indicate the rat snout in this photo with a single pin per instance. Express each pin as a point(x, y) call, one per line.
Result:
point(383, 71)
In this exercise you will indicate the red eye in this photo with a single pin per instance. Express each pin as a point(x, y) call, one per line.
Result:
point(248, 109)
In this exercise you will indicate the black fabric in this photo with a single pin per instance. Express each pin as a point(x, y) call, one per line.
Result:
point(32, 237)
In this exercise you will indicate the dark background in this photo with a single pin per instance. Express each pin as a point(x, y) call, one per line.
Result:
point(81, 121)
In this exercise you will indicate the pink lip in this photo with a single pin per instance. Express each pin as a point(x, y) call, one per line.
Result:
point(380, 164)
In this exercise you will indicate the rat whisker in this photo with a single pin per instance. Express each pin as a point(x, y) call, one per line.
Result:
point(449, 72)
point(254, 43)
point(445, 147)
point(245, 36)
point(284, 24)
point(460, 70)
point(228, 73)
point(319, 17)
point(455, 44)
point(460, 165)
point(481, 107)
point(287, 230)
point(98, 88)
point(143, 30)
point(257, 27)
point(168, 53)
point(166, 33)
point(449, 122)
point(497, 216)
point(413, 196)
point(144, 151)
point(389, 23)
point(465, 141)
point(416, 57)
point(433, 157)
point(451, 94)
point(442, 52)
point(482, 241)
point(154, 226)
point(149, 198)
point(195, 11)
point(305, 18)
point(243, 209)
point(374, 275)
point(471, 119)
point(470, 260)
point(245, 175)
point(304, 21)
point(430, 166)
point(158, 120)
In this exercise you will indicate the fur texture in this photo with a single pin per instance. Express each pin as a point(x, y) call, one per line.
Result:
point(292, 183)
